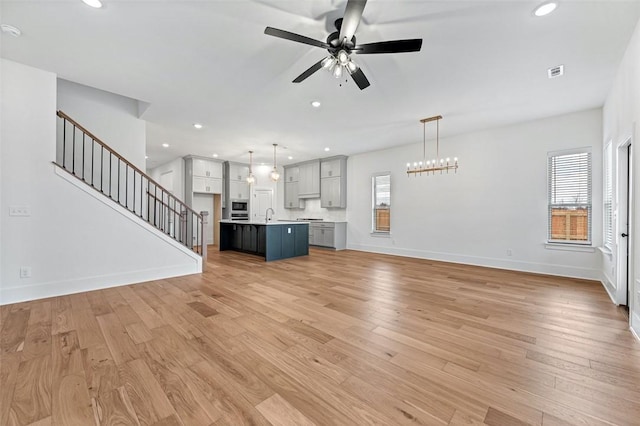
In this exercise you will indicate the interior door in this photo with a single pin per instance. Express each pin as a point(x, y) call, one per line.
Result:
point(624, 194)
point(263, 200)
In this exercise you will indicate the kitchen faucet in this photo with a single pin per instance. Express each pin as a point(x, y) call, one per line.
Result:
point(266, 215)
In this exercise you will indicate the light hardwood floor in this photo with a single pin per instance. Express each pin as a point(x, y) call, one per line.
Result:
point(333, 338)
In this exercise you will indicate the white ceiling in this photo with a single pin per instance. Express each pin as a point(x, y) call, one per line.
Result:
point(483, 64)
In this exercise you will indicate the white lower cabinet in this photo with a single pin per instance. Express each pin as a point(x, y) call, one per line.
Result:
point(328, 234)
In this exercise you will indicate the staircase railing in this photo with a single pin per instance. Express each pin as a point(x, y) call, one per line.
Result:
point(86, 157)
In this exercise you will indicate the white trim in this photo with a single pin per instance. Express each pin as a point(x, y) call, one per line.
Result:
point(539, 268)
point(64, 287)
point(608, 287)
point(635, 319)
point(380, 234)
point(570, 247)
point(606, 251)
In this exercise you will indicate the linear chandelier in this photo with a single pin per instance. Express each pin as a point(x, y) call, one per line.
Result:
point(431, 166)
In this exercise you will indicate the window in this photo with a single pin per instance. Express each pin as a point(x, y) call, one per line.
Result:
point(569, 175)
point(608, 197)
point(381, 189)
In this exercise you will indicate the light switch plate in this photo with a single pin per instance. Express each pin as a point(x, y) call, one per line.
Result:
point(19, 211)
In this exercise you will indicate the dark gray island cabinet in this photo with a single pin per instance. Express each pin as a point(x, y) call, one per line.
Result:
point(273, 240)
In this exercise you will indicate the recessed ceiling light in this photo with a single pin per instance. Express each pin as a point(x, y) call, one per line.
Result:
point(146, 157)
point(315, 104)
point(197, 125)
point(327, 149)
point(165, 145)
point(215, 155)
point(545, 8)
point(11, 30)
point(93, 3)
point(290, 157)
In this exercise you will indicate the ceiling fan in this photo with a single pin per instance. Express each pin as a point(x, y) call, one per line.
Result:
point(342, 43)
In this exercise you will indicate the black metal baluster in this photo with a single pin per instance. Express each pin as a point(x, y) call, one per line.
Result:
point(110, 178)
point(133, 198)
point(155, 205)
point(83, 135)
point(141, 188)
point(73, 152)
point(126, 185)
point(148, 201)
point(93, 150)
point(119, 176)
point(64, 141)
point(101, 168)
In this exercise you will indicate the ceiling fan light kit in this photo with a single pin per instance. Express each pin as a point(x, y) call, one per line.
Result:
point(434, 165)
point(342, 43)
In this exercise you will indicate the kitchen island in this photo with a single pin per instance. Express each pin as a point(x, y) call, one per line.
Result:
point(272, 240)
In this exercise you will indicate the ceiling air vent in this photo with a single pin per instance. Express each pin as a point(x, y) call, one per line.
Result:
point(555, 71)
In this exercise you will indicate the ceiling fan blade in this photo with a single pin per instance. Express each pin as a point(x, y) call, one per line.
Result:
point(351, 20)
point(393, 46)
point(360, 79)
point(315, 67)
point(294, 37)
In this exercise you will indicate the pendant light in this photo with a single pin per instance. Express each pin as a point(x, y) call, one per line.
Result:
point(251, 179)
point(274, 173)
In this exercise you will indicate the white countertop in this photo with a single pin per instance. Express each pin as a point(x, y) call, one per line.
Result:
point(272, 222)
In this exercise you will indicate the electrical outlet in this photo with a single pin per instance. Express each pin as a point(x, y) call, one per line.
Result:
point(19, 211)
point(509, 252)
point(25, 272)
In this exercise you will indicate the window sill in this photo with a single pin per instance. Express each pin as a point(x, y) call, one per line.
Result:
point(606, 251)
point(380, 234)
point(570, 247)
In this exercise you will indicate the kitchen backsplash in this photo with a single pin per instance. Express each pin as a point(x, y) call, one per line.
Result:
point(313, 210)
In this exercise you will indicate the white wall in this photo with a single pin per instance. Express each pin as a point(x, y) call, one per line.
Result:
point(176, 167)
point(313, 210)
point(621, 115)
point(75, 239)
point(496, 202)
point(110, 117)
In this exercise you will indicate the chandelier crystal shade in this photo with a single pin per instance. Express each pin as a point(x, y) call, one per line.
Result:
point(433, 165)
point(251, 179)
point(274, 175)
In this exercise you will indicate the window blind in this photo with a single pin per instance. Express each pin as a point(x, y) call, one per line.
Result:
point(608, 197)
point(569, 191)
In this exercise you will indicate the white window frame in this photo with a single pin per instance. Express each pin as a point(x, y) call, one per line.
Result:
point(374, 230)
point(607, 197)
point(587, 204)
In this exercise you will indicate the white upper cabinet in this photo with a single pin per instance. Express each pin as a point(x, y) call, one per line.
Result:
point(331, 168)
point(309, 179)
point(238, 172)
point(207, 168)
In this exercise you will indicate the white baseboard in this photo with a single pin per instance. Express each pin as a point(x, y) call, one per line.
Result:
point(522, 266)
point(635, 325)
point(608, 287)
point(61, 288)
